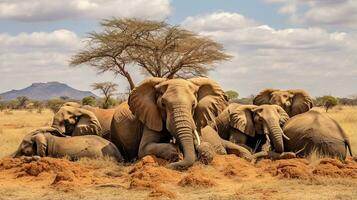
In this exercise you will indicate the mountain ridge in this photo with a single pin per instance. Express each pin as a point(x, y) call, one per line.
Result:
point(46, 91)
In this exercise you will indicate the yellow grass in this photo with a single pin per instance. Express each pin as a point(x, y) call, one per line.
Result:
point(17, 123)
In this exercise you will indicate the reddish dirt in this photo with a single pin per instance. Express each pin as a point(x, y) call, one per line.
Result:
point(301, 169)
point(335, 168)
point(151, 174)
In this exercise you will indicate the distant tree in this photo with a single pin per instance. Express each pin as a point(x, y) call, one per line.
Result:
point(107, 89)
point(158, 48)
point(89, 100)
point(39, 105)
point(328, 102)
point(22, 101)
point(231, 94)
point(65, 98)
point(55, 104)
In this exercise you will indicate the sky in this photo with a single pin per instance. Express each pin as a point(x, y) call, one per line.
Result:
point(284, 44)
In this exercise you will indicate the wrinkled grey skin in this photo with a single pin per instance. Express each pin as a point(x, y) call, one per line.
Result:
point(160, 109)
point(315, 131)
point(246, 124)
point(42, 143)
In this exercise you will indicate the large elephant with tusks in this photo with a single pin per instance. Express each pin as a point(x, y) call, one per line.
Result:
point(160, 110)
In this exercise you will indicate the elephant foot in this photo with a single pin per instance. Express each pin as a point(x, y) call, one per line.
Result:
point(205, 153)
point(287, 155)
point(219, 149)
point(171, 153)
point(178, 166)
point(31, 158)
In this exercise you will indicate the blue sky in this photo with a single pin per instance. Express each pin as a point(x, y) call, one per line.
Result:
point(275, 43)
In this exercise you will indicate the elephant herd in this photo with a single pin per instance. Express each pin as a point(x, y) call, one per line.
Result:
point(167, 117)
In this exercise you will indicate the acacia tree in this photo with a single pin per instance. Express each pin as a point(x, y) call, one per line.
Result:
point(159, 49)
point(108, 89)
point(22, 101)
point(328, 102)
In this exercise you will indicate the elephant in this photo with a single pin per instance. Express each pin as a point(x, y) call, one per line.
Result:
point(258, 128)
point(292, 101)
point(104, 116)
point(74, 121)
point(159, 110)
point(315, 131)
point(43, 143)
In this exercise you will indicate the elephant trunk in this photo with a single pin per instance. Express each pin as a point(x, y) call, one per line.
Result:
point(276, 135)
point(184, 130)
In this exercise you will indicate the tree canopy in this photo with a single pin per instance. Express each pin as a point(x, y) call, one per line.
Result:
point(158, 48)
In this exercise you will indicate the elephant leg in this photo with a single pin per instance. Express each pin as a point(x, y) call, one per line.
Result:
point(150, 145)
point(274, 155)
point(237, 150)
point(206, 152)
point(208, 134)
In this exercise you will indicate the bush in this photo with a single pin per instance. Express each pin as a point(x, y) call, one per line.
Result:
point(327, 102)
point(89, 100)
point(231, 94)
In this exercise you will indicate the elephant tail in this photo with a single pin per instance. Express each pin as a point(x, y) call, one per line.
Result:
point(348, 146)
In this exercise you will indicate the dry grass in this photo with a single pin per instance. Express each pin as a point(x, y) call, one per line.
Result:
point(227, 177)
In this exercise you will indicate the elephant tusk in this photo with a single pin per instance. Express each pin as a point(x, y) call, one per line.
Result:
point(197, 139)
point(266, 131)
point(286, 137)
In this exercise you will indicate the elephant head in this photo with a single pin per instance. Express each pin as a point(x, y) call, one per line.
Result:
point(180, 106)
point(34, 143)
point(75, 121)
point(292, 101)
point(264, 119)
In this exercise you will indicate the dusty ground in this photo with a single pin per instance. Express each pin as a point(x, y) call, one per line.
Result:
point(228, 177)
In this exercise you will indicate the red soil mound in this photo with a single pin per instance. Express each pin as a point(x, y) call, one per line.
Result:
point(301, 169)
point(196, 179)
point(233, 166)
point(290, 169)
point(150, 172)
point(62, 170)
point(335, 168)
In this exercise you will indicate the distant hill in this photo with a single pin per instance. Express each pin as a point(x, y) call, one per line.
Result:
point(46, 91)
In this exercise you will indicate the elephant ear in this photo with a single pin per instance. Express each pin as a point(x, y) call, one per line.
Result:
point(88, 124)
point(284, 117)
point(73, 104)
point(263, 97)
point(241, 118)
point(41, 144)
point(142, 102)
point(211, 101)
point(301, 102)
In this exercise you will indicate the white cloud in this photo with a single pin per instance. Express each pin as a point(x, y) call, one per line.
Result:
point(49, 10)
point(26, 58)
point(311, 58)
point(317, 12)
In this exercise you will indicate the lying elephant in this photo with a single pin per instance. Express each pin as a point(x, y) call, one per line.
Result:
point(256, 127)
point(160, 109)
point(42, 143)
point(104, 116)
point(74, 121)
point(315, 131)
point(292, 101)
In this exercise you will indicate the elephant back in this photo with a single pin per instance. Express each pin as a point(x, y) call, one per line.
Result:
point(315, 132)
point(104, 117)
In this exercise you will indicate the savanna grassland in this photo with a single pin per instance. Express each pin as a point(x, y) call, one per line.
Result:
point(228, 177)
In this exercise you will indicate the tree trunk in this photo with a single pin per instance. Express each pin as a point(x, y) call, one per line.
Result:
point(130, 80)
